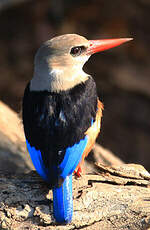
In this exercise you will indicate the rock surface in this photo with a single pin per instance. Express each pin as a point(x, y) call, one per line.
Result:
point(117, 198)
point(13, 154)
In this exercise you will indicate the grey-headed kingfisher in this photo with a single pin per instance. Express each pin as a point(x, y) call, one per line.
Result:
point(62, 113)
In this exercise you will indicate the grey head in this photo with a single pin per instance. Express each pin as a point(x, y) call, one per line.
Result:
point(58, 63)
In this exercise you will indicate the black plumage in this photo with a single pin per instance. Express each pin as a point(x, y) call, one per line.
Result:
point(55, 121)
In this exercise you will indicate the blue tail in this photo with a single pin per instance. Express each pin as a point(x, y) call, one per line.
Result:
point(62, 196)
point(63, 201)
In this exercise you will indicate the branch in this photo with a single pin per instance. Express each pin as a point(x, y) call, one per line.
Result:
point(117, 198)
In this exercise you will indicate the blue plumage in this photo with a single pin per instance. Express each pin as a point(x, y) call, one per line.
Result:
point(62, 196)
point(72, 157)
point(55, 126)
point(63, 201)
point(38, 163)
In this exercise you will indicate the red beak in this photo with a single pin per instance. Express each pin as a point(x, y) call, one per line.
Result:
point(105, 44)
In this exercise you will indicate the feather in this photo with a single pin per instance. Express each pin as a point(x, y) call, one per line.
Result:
point(38, 163)
point(62, 196)
point(72, 157)
point(91, 135)
point(63, 201)
point(55, 128)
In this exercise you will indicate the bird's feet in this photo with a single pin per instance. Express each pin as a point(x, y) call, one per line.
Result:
point(78, 172)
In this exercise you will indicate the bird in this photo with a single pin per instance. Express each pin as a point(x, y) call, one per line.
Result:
point(62, 113)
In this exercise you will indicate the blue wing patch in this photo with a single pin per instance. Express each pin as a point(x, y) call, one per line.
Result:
point(72, 157)
point(38, 163)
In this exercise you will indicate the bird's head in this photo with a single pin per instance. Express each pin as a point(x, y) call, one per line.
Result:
point(59, 61)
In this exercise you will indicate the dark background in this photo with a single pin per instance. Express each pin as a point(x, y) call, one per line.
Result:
point(122, 74)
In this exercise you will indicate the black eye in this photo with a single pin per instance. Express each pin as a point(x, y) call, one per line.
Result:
point(76, 51)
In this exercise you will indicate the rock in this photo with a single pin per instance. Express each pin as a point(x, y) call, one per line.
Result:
point(14, 157)
point(117, 198)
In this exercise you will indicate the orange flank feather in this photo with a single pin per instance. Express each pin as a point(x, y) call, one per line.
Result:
point(92, 134)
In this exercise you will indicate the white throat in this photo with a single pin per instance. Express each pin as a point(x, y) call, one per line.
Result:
point(58, 78)
point(71, 79)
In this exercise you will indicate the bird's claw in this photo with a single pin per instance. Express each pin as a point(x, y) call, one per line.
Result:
point(78, 172)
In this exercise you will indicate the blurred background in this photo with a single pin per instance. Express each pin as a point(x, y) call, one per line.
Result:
point(122, 74)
